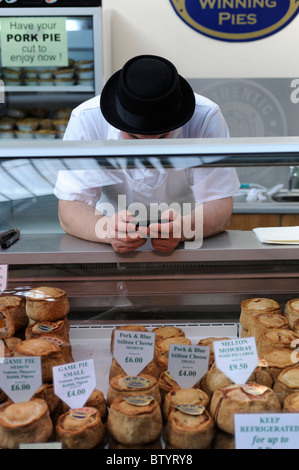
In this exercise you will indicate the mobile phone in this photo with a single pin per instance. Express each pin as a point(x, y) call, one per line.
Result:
point(146, 223)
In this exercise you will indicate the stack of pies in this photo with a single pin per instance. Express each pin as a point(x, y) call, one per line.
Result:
point(25, 422)
point(185, 396)
point(255, 306)
point(127, 385)
point(291, 311)
point(287, 383)
point(235, 399)
point(135, 420)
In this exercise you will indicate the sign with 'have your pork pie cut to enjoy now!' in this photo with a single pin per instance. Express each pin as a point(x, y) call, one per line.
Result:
point(34, 42)
point(236, 20)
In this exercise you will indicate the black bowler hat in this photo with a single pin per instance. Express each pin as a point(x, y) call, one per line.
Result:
point(147, 96)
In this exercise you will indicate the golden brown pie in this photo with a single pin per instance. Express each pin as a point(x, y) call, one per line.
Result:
point(50, 354)
point(214, 379)
point(46, 392)
point(277, 360)
point(223, 441)
point(291, 311)
point(254, 306)
point(277, 338)
point(16, 307)
point(166, 383)
point(115, 369)
point(47, 304)
point(208, 342)
point(234, 399)
point(135, 420)
point(11, 343)
point(25, 422)
point(287, 383)
point(263, 322)
point(80, 428)
point(95, 400)
point(164, 332)
point(124, 385)
point(184, 430)
point(65, 346)
point(291, 403)
point(126, 328)
point(7, 327)
point(184, 396)
point(58, 328)
point(262, 374)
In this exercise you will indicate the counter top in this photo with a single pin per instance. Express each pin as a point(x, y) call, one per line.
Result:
point(232, 245)
point(264, 207)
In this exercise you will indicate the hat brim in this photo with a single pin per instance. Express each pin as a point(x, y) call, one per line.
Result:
point(109, 111)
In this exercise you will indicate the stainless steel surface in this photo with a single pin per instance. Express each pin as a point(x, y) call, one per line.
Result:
point(287, 197)
point(209, 282)
point(232, 245)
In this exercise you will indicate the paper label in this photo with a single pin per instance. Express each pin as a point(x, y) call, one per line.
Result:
point(139, 400)
point(267, 431)
point(137, 382)
point(236, 358)
point(3, 277)
point(34, 42)
point(195, 410)
point(20, 377)
point(188, 363)
point(133, 350)
point(74, 382)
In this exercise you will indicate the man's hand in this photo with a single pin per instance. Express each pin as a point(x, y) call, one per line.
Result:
point(166, 236)
point(122, 233)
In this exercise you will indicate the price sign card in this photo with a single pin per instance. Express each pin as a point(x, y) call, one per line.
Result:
point(267, 431)
point(188, 363)
point(3, 277)
point(236, 358)
point(133, 350)
point(74, 382)
point(20, 377)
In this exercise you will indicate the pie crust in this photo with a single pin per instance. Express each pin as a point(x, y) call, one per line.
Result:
point(263, 322)
point(7, 327)
point(277, 338)
point(25, 422)
point(166, 383)
point(234, 399)
point(47, 304)
point(95, 400)
point(134, 424)
point(16, 307)
point(164, 332)
point(58, 329)
point(291, 311)
point(254, 306)
point(80, 428)
point(209, 342)
point(287, 383)
point(126, 385)
point(184, 396)
point(291, 403)
point(50, 354)
point(186, 431)
point(163, 346)
point(277, 360)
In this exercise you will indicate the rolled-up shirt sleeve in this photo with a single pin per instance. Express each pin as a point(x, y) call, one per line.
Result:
point(208, 184)
point(78, 185)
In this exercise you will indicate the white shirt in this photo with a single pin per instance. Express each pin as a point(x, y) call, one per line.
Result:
point(93, 186)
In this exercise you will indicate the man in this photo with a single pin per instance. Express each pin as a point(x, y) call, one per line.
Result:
point(146, 99)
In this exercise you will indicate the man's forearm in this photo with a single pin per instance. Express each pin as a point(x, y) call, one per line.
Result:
point(80, 220)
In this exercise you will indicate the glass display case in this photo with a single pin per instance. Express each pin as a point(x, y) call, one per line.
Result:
point(196, 289)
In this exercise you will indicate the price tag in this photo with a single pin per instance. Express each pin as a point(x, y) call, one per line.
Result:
point(20, 377)
point(74, 382)
point(3, 277)
point(267, 431)
point(133, 350)
point(236, 358)
point(188, 363)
